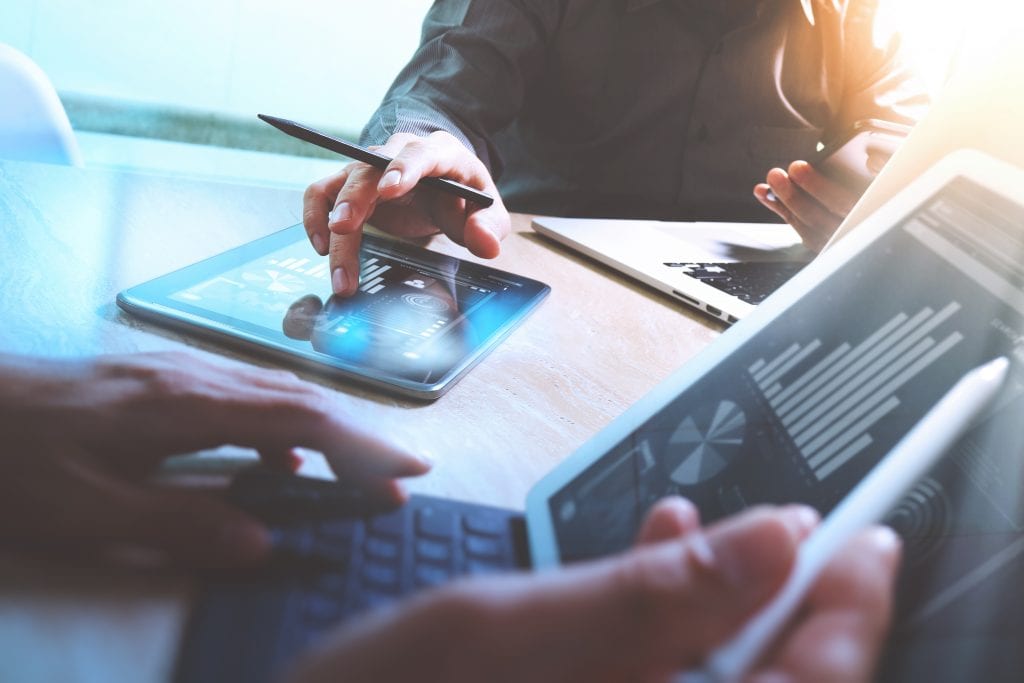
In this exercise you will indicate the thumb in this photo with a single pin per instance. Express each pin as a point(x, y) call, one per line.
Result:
point(194, 529)
point(63, 498)
point(650, 612)
point(678, 600)
point(714, 582)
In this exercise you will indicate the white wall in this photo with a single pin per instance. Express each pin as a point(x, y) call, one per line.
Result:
point(321, 61)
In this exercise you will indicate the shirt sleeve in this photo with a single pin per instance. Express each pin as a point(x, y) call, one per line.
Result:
point(879, 84)
point(470, 74)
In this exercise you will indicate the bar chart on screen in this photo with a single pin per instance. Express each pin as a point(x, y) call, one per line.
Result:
point(828, 401)
point(371, 276)
point(301, 265)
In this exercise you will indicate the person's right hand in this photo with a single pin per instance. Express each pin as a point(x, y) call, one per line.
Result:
point(643, 615)
point(336, 208)
point(79, 439)
point(808, 200)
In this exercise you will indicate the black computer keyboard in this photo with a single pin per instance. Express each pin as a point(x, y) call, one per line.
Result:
point(750, 281)
point(330, 564)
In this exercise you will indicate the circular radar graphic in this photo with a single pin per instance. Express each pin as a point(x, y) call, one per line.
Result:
point(275, 281)
point(708, 440)
point(923, 518)
point(426, 302)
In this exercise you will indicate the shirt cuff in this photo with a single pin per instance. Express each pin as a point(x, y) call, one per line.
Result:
point(421, 123)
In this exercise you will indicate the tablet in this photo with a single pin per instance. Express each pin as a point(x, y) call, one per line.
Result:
point(418, 322)
point(798, 401)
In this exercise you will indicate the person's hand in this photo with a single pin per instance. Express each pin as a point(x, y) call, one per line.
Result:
point(839, 633)
point(640, 616)
point(336, 208)
point(79, 438)
point(809, 201)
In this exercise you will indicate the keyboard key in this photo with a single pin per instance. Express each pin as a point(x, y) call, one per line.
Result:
point(380, 576)
point(432, 551)
point(368, 599)
point(751, 281)
point(436, 522)
point(381, 548)
point(322, 611)
point(431, 575)
point(479, 546)
point(392, 524)
point(336, 529)
point(329, 583)
point(482, 567)
point(485, 523)
point(331, 550)
point(292, 540)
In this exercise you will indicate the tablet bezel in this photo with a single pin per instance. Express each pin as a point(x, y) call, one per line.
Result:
point(998, 176)
point(151, 301)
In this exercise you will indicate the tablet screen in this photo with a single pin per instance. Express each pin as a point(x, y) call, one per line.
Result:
point(810, 403)
point(803, 409)
point(417, 318)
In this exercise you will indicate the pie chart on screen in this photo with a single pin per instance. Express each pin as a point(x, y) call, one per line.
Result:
point(275, 281)
point(706, 441)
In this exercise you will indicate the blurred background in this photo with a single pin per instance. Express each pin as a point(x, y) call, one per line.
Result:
point(173, 86)
point(156, 84)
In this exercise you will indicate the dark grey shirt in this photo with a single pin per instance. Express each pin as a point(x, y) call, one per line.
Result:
point(656, 108)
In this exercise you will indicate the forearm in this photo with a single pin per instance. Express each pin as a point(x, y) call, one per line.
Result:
point(470, 74)
point(405, 114)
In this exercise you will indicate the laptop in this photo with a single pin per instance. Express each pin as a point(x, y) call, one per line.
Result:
point(725, 269)
point(795, 403)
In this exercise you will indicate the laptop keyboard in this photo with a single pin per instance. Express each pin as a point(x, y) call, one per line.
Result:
point(250, 627)
point(750, 281)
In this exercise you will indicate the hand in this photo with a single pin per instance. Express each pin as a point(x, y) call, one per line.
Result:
point(807, 200)
point(80, 437)
point(640, 616)
point(839, 634)
point(336, 208)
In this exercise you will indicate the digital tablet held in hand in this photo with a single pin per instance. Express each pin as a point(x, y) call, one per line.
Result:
point(418, 322)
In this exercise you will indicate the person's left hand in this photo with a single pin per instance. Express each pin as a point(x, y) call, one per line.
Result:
point(810, 202)
point(79, 439)
point(639, 616)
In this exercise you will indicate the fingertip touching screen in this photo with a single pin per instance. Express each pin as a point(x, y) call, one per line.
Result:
point(417, 321)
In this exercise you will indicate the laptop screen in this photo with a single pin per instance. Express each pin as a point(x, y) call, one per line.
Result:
point(808, 405)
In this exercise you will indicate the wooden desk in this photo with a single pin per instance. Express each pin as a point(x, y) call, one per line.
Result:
point(70, 239)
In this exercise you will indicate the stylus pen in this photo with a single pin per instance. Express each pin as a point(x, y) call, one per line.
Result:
point(871, 499)
point(297, 130)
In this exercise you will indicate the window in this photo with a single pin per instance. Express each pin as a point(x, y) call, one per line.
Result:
point(131, 63)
